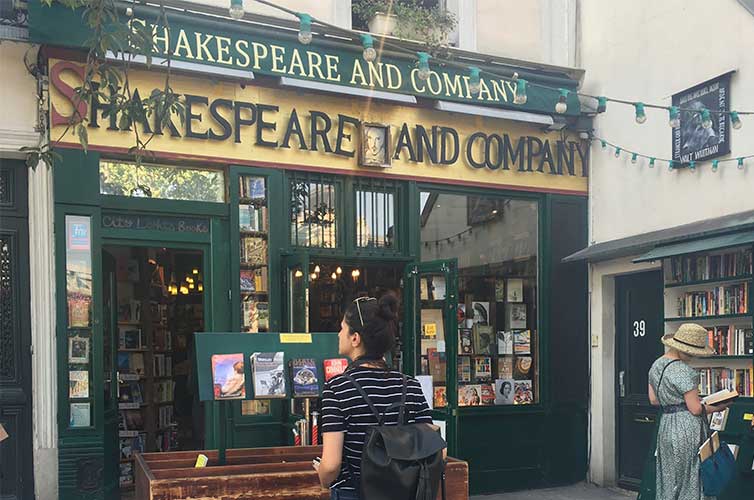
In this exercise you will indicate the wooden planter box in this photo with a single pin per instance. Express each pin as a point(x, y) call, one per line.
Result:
point(283, 473)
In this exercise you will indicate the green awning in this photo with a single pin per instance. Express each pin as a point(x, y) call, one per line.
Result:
point(701, 245)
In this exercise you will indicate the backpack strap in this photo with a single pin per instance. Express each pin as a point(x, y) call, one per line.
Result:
point(381, 417)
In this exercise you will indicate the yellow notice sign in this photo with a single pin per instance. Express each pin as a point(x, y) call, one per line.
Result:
point(749, 416)
point(295, 338)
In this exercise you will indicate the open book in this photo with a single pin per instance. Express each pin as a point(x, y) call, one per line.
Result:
point(720, 397)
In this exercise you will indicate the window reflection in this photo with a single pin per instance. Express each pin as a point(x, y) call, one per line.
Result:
point(375, 219)
point(161, 181)
point(313, 214)
point(495, 240)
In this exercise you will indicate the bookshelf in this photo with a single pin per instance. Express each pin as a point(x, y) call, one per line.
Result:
point(253, 228)
point(713, 289)
point(154, 327)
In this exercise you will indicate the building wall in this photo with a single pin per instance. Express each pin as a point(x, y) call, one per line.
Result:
point(542, 31)
point(337, 12)
point(639, 51)
point(17, 93)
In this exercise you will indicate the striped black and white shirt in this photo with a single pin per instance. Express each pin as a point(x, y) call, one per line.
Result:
point(344, 410)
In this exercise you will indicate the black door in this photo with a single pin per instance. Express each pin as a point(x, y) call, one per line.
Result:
point(639, 326)
point(16, 478)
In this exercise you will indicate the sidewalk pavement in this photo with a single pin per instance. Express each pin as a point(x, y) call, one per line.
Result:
point(580, 491)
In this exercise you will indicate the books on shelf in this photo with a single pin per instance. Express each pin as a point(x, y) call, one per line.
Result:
point(731, 340)
point(522, 342)
point(131, 420)
point(126, 473)
point(709, 267)
point(164, 416)
point(505, 367)
point(488, 394)
point(130, 392)
point(713, 380)
point(504, 343)
point(484, 339)
point(437, 365)
point(131, 445)
point(253, 251)
point(464, 369)
point(504, 391)
point(163, 365)
point(268, 374)
point(522, 368)
point(719, 300)
point(482, 368)
point(304, 375)
point(251, 187)
point(252, 218)
point(163, 339)
point(163, 391)
point(522, 392)
point(440, 399)
point(465, 345)
point(470, 395)
point(130, 338)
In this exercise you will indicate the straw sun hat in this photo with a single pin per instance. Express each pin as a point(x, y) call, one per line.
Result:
point(690, 339)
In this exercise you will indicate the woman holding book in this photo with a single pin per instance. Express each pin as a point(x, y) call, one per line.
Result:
point(367, 333)
point(674, 386)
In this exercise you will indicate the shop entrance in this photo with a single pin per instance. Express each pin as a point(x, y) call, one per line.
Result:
point(322, 288)
point(154, 301)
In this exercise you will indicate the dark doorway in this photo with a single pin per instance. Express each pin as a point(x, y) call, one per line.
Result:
point(639, 326)
point(159, 305)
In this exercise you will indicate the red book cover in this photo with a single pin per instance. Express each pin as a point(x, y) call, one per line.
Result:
point(334, 367)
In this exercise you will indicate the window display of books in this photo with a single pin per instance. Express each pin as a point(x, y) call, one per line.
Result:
point(253, 228)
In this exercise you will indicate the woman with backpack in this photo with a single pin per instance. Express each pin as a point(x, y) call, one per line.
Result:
point(351, 402)
point(674, 386)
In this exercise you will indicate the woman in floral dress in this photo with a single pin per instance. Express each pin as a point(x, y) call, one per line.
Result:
point(674, 386)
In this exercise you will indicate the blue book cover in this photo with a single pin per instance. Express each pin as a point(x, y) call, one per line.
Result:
point(305, 378)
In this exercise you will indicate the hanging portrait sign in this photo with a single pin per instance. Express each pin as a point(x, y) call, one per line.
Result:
point(691, 140)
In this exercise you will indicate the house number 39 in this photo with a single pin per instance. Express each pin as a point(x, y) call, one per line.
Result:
point(640, 328)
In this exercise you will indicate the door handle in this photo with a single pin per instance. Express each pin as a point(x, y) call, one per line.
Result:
point(644, 420)
point(621, 383)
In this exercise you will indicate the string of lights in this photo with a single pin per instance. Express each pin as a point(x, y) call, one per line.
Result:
point(475, 74)
point(739, 161)
point(449, 239)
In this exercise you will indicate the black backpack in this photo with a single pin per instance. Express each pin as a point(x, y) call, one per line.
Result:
point(400, 462)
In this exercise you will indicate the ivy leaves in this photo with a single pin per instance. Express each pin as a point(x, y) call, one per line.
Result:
point(115, 44)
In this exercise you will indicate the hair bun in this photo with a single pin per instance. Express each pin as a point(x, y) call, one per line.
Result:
point(388, 307)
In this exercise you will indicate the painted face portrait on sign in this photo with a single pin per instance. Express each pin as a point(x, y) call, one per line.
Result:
point(374, 145)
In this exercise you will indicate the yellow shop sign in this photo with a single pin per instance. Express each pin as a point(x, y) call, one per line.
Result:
point(230, 123)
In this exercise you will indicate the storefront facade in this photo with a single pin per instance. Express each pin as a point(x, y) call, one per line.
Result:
point(270, 207)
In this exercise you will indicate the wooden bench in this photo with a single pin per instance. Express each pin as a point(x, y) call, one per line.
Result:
point(283, 473)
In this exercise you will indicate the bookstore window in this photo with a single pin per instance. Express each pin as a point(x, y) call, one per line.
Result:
point(313, 210)
point(495, 241)
point(375, 214)
point(253, 226)
point(167, 182)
